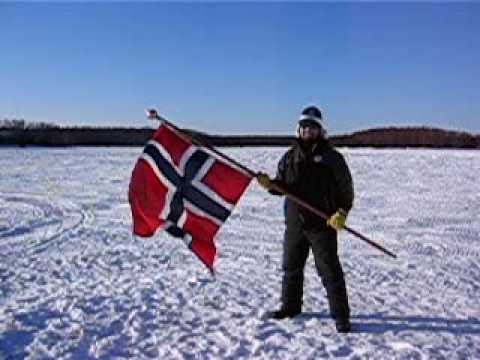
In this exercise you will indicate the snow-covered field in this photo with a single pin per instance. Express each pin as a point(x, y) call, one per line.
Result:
point(74, 283)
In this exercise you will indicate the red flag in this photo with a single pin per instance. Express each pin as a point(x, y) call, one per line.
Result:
point(185, 190)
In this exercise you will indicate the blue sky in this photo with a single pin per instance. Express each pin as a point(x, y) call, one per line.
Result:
point(242, 67)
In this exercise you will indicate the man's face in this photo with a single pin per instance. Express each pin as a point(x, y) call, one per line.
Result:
point(308, 132)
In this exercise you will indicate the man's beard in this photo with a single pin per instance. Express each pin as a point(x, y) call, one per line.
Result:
point(308, 144)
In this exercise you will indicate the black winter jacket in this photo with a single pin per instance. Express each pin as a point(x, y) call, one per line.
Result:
point(318, 175)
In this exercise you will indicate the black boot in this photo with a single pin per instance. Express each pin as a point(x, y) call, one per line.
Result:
point(343, 325)
point(284, 313)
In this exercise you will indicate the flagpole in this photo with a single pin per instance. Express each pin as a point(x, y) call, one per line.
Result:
point(324, 216)
point(191, 138)
point(153, 114)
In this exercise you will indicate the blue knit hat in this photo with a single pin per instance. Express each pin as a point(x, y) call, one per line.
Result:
point(311, 115)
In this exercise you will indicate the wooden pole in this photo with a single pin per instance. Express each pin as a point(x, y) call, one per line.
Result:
point(152, 114)
point(193, 139)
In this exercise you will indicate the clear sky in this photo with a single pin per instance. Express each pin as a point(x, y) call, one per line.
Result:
point(242, 67)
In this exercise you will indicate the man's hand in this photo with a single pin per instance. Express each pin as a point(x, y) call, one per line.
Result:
point(264, 181)
point(337, 220)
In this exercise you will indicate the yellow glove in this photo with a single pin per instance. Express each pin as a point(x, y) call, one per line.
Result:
point(264, 181)
point(337, 220)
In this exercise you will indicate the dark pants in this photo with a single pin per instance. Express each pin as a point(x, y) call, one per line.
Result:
point(296, 247)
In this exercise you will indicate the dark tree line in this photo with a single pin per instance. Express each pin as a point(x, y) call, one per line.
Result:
point(21, 124)
point(21, 132)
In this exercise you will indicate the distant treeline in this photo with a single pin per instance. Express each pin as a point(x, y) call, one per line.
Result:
point(19, 132)
point(409, 137)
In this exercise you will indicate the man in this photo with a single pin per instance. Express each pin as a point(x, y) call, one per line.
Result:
point(315, 172)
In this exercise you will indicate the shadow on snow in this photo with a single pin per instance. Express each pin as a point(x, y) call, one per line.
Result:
point(381, 323)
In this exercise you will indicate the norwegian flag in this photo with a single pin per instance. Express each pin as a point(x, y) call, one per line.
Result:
point(179, 187)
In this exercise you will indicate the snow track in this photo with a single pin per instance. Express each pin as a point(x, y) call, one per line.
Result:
point(33, 215)
point(74, 283)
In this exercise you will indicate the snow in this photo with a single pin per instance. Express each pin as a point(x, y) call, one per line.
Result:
point(75, 284)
